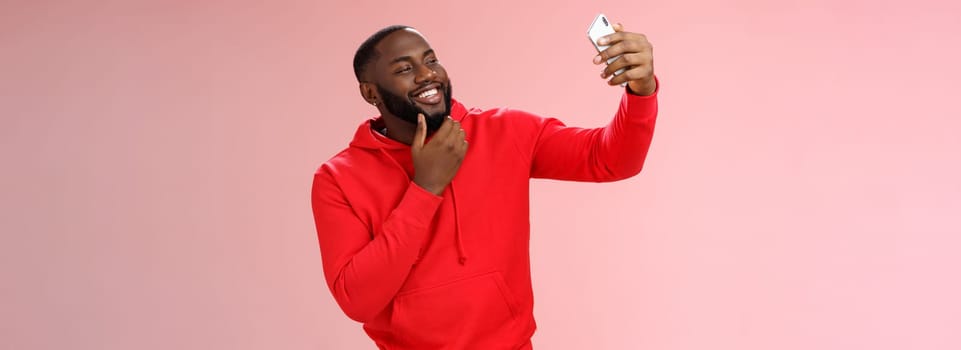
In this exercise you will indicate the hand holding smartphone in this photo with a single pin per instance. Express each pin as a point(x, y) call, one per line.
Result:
point(599, 28)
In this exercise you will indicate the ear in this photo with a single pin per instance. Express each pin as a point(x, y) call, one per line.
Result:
point(369, 92)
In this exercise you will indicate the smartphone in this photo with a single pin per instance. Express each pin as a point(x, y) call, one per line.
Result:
point(601, 27)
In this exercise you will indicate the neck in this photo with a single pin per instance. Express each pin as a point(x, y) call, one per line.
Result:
point(399, 130)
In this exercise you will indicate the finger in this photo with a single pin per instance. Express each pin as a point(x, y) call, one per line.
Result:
point(636, 52)
point(442, 131)
point(623, 48)
point(612, 39)
point(455, 138)
point(420, 134)
point(462, 148)
point(615, 37)
point(626, 61)
point(607, 40)
point(634, 67)
point(462, 143)
point(451, 135)
point(461, 136)
point(636, 73)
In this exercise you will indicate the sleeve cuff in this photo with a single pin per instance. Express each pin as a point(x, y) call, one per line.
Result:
point(418, 205)
point(640, 109)
point(657, 87)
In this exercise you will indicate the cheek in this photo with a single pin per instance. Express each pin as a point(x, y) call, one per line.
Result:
point(402, 86)
point(397, 89)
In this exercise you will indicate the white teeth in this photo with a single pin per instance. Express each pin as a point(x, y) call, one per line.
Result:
point(428, 93)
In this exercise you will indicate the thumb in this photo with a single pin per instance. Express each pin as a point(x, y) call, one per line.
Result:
point(618, 27)
point(420, 134)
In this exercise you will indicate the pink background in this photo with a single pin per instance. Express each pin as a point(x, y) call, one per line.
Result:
point(802, 191)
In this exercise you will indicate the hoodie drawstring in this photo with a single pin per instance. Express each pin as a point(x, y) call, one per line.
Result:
point(367, 138)
point(461, 253)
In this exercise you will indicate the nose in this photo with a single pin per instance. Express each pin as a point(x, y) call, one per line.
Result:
point(425, 74)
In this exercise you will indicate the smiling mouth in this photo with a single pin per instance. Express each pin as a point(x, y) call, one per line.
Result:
point(429, 97)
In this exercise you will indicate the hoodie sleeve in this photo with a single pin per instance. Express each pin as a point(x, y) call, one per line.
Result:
point(364, 269)
point(614, 152)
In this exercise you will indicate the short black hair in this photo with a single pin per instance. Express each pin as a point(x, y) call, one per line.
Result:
point(367, 53)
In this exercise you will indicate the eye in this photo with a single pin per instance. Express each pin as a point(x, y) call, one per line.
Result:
point(432, 61)
point(403, 69)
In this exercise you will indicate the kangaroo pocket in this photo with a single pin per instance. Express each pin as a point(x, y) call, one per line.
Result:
point(473, 310)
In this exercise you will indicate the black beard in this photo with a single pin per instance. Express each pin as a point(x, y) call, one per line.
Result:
point(405, 109)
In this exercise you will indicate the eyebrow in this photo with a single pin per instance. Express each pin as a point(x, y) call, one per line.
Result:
point(408, 58)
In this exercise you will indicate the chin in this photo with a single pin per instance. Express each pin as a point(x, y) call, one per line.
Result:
point(436, 113)
point(430, 110)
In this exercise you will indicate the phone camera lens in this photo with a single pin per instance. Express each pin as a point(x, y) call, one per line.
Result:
point(605, 21)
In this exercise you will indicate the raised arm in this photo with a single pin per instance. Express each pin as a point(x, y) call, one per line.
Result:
point(618, 150)
point(614, 152)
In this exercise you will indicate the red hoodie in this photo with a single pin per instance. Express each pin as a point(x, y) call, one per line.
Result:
point(453, 271)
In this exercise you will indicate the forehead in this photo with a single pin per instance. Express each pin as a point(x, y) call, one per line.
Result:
point(404, 42)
